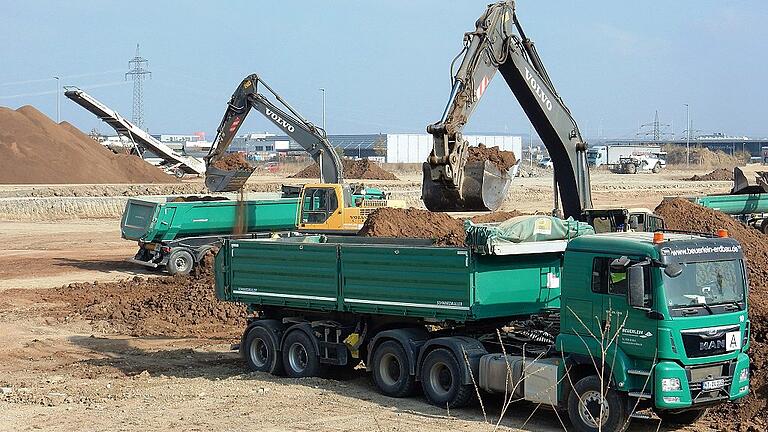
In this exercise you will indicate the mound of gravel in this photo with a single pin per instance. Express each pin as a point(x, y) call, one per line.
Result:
point(720, 174)
point(36, 150)
point(362, 169)
point(414, 223)
point(169, 306)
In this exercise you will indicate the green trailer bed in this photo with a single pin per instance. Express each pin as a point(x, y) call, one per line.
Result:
point(734, 204)
point(161, 221)
point(371, 276)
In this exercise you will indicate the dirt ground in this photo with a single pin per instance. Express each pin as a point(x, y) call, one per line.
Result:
point(62, 372)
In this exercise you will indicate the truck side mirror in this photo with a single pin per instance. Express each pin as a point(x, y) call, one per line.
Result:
point(619, 265)
point(636, 291)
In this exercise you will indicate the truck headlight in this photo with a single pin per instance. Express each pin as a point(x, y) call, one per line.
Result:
point(744, 375)
point(670, 384)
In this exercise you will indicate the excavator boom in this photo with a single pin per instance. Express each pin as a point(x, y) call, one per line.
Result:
point(248, 96)
point(499, 44)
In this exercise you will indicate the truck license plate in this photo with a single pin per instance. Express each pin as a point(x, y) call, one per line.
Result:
point(713, 384)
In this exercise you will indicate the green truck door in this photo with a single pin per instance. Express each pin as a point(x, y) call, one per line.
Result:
point(637, 333)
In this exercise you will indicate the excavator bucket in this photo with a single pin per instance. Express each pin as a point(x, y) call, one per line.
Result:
point(484, 187)
point(742, 185)
point(219, 180)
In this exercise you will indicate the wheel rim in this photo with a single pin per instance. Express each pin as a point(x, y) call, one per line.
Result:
point(440, 379)
point(181, 263)
point(297, 357)
point(390, 369)
point(590, 404)
point(259, 352)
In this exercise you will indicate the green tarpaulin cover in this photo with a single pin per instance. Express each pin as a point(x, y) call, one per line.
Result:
point(523, 229)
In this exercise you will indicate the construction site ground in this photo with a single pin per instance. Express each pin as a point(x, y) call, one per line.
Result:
point(60, 371)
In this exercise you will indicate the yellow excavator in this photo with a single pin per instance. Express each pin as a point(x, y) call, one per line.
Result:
point(330, 206)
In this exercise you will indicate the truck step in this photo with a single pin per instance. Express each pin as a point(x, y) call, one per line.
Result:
point(641, 395)
point(639, 372)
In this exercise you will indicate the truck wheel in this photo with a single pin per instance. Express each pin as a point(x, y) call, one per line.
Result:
point(178, 173)
point(586, 402)
point(441, 380)
point(260, 351)
point(391, 370)
point(672, 418)
point(631, 168)
point(180, 262)
point(764, 226)
point(299, 356)
point(656, 168)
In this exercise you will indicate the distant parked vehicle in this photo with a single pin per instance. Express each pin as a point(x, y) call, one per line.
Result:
point(545, 162)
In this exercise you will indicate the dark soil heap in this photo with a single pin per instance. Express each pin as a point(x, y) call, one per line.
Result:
point(168, 306)
point(353, 169)
point(498, 216)
point(503, 159)
point(414, 223)
point(720, 174)
point(34, 149)
point(232, 161)
point(683, 215)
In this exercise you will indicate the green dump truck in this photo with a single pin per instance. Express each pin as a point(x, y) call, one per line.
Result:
point(600, 326)
point(175, 233)
point(751, 209)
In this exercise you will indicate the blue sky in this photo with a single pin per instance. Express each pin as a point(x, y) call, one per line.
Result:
point(385, 64)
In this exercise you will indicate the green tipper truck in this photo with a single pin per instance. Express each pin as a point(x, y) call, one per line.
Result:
point(664, 318)
point(177, 233)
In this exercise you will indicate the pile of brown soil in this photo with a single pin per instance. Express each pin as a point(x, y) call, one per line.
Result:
point(34, 149)
point(498, 216)
point(503, 159)
point(414, 223)
point(231, 162)
point(704, 157)
point(720, 174)
point(353, 169)
point(168, 306)
point(684, 215)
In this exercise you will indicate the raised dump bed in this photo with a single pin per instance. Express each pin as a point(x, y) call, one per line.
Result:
point(165, 220)
point(177, 232)
point(390, 277)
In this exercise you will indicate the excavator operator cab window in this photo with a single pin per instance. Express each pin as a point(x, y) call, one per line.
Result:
point(319, 204)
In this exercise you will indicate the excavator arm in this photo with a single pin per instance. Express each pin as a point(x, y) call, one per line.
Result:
point(246, 97)
point(499, 43)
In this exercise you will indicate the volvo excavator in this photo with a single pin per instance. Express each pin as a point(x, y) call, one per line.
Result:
point(330, 206)
point(451, 183)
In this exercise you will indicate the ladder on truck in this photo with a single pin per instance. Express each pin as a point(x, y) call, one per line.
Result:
point(172, 162)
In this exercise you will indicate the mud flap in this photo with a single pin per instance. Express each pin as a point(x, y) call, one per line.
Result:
point(218, 180)
point(483, 188)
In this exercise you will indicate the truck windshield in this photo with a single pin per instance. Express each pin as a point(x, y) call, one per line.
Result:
point(705, 283)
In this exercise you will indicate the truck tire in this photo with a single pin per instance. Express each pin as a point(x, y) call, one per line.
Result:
point(300, 358)
point(260, 351)
point(441, 380)
point(178, 173)
point(584, 406)
point(630, 168)
point(391, 370)
point(180, 262)
point(656, 168)
point(671, 418)
point(764, 226)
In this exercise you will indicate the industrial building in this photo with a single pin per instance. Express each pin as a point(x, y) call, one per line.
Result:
point(390, 148)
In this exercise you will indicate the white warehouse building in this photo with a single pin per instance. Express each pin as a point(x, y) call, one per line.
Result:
point(414, 148)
